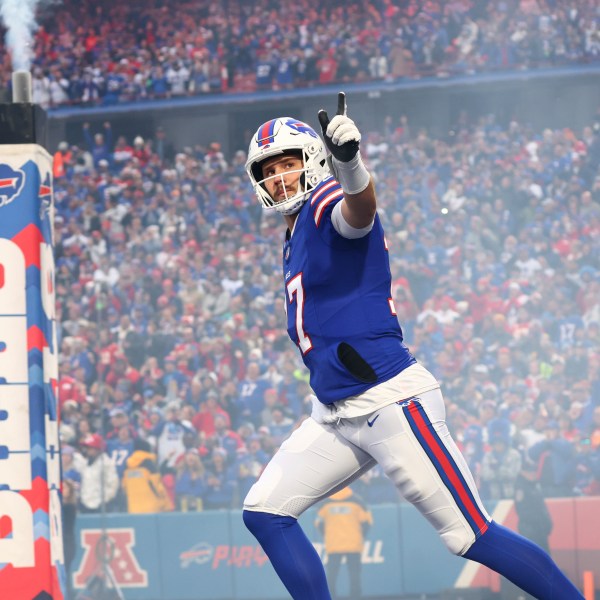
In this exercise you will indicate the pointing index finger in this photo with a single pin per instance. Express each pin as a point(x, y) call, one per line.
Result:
point(341, 107)
point(323, 120)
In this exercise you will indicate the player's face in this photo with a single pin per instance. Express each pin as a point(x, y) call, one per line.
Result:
point(282, 176)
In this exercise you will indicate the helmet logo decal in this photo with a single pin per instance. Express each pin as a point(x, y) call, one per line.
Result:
point(301, 127)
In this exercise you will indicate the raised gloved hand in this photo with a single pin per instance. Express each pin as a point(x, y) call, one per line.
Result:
point(341, 135)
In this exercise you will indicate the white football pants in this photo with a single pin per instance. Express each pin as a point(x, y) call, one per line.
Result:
point(411, 442)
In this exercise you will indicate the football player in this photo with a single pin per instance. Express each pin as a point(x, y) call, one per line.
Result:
point(376, 403)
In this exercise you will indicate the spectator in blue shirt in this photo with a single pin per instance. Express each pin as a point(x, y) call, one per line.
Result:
point(555, 461)
point(190, 481)
point(250, 400)
point(100, 146)
point(120, 448)
point(221, 485)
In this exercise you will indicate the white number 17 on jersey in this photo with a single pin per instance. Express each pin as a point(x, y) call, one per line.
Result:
point(295, 292)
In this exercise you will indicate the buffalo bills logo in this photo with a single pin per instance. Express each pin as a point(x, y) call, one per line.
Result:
point(300, 127)
point(11, 184)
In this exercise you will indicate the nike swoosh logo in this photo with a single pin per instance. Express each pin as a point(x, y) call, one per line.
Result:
point(370, 423)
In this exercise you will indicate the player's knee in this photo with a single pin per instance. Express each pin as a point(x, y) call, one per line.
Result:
point(261, 524)
point(495, 536)
point(254, 521)
point(458, 540)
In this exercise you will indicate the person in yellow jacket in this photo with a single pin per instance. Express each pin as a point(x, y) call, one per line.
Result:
point(343, 520)
point(142, 484)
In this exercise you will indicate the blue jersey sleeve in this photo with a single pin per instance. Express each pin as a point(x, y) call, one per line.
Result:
point(323, 199)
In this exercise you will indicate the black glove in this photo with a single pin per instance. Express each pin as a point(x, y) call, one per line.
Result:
point(340, 134)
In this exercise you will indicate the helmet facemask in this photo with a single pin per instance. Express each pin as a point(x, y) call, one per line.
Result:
point(306, 183)
point(304, 144)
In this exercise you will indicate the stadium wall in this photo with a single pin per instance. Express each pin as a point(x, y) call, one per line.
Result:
point(544, 98)
point(210, 555)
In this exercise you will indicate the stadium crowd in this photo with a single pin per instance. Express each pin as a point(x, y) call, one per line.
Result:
point(177, 379)
point(86, 53)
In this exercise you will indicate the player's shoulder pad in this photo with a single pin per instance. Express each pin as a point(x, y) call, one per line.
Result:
point(327, 192)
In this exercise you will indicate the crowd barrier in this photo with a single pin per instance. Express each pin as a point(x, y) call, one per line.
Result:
point(210, 555)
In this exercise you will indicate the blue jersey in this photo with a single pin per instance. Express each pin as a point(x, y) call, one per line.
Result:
point(119, 452)
point(338, 300)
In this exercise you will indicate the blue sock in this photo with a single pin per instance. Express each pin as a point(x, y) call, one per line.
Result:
point(292, 555)
point(522, 562)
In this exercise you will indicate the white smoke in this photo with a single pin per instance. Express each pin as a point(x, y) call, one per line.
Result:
point(18, 17)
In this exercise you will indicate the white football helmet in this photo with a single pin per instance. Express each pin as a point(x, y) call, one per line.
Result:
point(280, 136)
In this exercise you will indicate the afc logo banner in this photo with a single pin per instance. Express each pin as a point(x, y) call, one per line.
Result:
point(118, 546)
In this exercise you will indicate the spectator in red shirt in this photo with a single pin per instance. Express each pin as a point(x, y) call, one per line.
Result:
point(69, 388)
point(204, 420)
point(327, 67)
point(119, 371)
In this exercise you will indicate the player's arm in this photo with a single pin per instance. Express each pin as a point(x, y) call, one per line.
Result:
point(342, 139)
